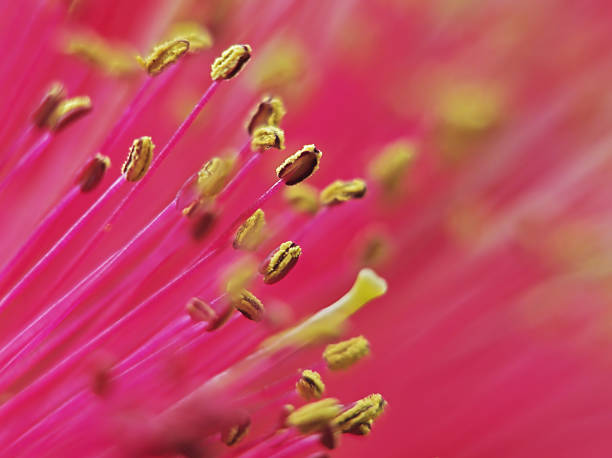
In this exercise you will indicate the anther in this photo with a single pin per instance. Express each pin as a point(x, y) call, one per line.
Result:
point(52, 98)
point(302, 198)
point(139, 159)
point(358, 418)
point(266, 137)
point(93, 172)
point(198, 37)
point(249, 305)
point(235, 433)
point(343, 355)
point(251, 233)
point(163, 55)
point(314, 416)
point(69, 110)
point(310, 386)
point(389, 166)
point(220, 319)
point(114, 60)
point(341, 191)
point(199, 310)
point(213, 176)
point(299, 166)
point(269, 112)
point(230, 62)
point(280, 262)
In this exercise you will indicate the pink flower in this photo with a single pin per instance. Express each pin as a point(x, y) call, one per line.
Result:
point(178, 303)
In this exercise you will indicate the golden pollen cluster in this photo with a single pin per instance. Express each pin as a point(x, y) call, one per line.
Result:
point(251, 233)
point(248, 304)
point(310, 386)
point(67, 111)
point(278, 263)
point(303, 198)
point(269, 112)
point(266, 137)
point(213, 176)
point(341, 191)
point(343, 355)
point(163, 55)
point(315, 416)
point(230, 62)
point(299, 166)
point(358, 419)
point(139, 159)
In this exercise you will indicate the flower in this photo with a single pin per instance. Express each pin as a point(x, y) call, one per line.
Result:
point(172, 309)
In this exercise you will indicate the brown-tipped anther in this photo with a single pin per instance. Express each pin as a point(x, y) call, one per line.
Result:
point(315, 416)
point(230, 62)
point(310, 386)
point(280, 262)
point(389, 166)
point(163, 55)
point(52, 98)
point(358, 418)
point(301, 165)
point(68, 111)
point(200, 311)
point(139, 159)
point(330, 437)
point(342, 191)
point(198, 37)
point(266, 137)
point(213, 176)
point(221, 318)
point(235, 433)
point(93, 172)
point(269, 112)
point(343, 355)
point(302, 198)
point(251, 233)
point(249, 305)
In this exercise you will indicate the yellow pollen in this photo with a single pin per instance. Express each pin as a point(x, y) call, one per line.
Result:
point(278, 263)
point(343, 355)
point(249, 305)
point(139, 159)
point(93, 172)
point(113, 60)
point(68, 111)
point(251, 233)
point(163, 55)
point(52, 98)
point(389, 166)
point(230, 62)
point(341, 191)
point(299, 166)
point(198, 36)
point(269, 112)
point(266, 137)
point(213, 176)
point(310, 386)
point(302, 198)
point(315, 416)
point(358, 419)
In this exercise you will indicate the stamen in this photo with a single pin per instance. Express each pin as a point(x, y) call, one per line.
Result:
point(266, 137)
point(230, 62)
point(269, 112)
point(114, 60)
point(342, 191)
point(198, 37)
point(301, 165)
point(343, 355)
point(389, 166)
point(52, 98)
point(199, 310)
point(236, 433)
point(302, 198)
point(330, 437)
point(93, 172)
point(249, 305)
point(251, 233)
point(358, 419)
point(163, 55)
point(315, 416)
point(280, 262)
point(139, 159)
point(310, 386)
point(69, 110)
point(213, 176)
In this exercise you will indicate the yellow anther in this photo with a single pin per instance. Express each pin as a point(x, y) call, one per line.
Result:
point(235, 433)
point(230, 62)
point(358, 419)
point(269, 112)
point(251, 233)
point(343, 355)
point(302, 198)
point(341, 191)
point(310, 386)
point(279, 262)
point(52, 98)
point(470, 107)
point(139, 158)
point(315, 416)
point(113, 60)
point(249, 305)
point(266, 137)
point(69, 110)
point(198, 37)
point(299, 166)
point(199, 310)
point(163, 55)
point(389, 166)
point(93, 172)
point(213, 176)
